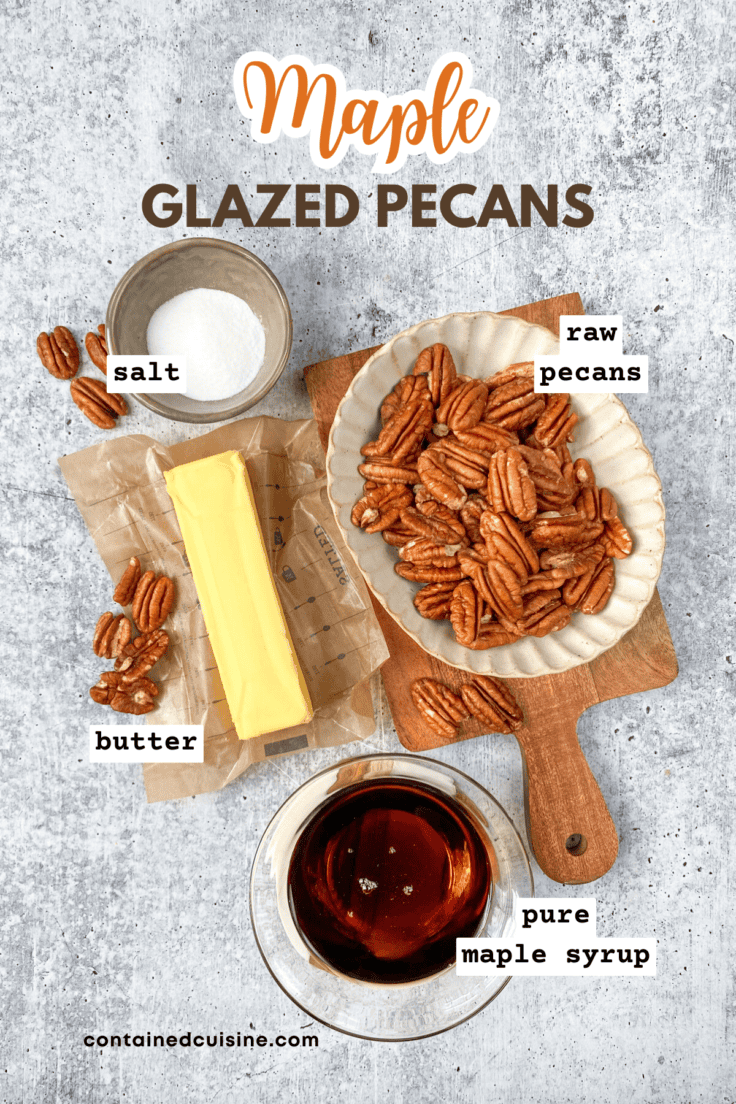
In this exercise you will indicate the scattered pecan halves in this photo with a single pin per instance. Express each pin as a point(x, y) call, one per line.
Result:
point(92, 398)
point(141, 654)
point(96, 346)
point(490, 701)
point(58, 352)
point(111, 635)
point(124, 591)
point(124, 694)
point(440, 707)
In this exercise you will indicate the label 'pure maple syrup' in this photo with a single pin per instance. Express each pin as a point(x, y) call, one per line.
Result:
point(384, 879)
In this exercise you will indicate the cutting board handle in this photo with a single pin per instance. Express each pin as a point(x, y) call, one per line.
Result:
point(570, 828)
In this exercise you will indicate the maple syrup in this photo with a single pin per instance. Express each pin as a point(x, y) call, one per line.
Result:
point(385, 877)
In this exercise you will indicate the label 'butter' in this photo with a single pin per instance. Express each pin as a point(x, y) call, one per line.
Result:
point(263, 683)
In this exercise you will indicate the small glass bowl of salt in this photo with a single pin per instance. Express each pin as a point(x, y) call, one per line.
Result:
point(214, 303)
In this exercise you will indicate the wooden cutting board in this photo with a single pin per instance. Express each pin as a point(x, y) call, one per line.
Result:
point(570, 829)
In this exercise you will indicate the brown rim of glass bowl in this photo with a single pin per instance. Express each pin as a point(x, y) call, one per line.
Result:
point(276, 318)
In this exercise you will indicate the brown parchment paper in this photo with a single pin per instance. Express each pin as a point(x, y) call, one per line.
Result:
point(120, 490)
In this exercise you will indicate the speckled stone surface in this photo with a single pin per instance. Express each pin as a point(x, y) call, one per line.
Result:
point(121, 917)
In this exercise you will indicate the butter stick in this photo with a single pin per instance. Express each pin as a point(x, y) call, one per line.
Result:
point(264, 685)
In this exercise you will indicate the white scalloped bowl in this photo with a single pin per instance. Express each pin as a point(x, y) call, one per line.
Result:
point(482, 344)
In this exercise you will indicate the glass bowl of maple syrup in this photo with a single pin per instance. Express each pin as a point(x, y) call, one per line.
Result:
point(363, 881)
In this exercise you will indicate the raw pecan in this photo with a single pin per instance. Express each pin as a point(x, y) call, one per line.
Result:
point(437, 512)
point(438, 479)
point(505, 541)
point(402, 435)
point(490, 701)
point(463, 408)
point(556, 422)
point(467, 465)
point(124, 591)
point(114, 683)
point(438, 528)
point(418, 573)
point(135, 696)
point(591, 591)
point(546, 474)
point(442, 709)
point(563, 531)
point(397, 535)
point(96, 347)
point(583, 472)
point(599, 588)
point(494, 635)
point(470, 515)
point(510, 487)
point(111, 635)
point(407, 390)
point(58, 352)
point(142, 653)
point(380, 507)
point(433, 600)
point(486, 437)
point(573, 563)
point(544, 580)
point(523, 370)
point(544, 613)
point(385, 471)
point(466, 611)
point(617, 539)
point(152, 601)
point(513, 404)
point(496, 583)
point(437, 364)
point(423, 550)
point(92, 398)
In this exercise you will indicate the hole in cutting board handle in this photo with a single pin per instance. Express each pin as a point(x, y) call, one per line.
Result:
point(576, 844)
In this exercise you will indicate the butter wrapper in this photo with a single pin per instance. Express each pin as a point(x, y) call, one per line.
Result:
point(121, 493)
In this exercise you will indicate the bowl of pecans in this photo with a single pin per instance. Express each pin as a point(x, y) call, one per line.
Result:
point(508, 533)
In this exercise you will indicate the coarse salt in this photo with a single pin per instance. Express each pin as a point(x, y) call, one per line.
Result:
point(220, 336)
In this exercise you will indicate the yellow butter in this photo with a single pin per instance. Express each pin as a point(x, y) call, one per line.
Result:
point(264, 685)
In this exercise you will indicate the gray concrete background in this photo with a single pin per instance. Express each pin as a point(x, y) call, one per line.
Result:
point(117, 916)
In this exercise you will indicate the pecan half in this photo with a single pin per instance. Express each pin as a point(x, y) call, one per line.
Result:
point(385, 471)
point(505, 541)
point(466, 611)
point(92, 398)
point(470, 515)
point(590, 592)
point(437, 364)
point(571, 564)
point(423, 550)
point(96, 347)
point(135, 696)
point(397, 535)
point(556, 422)
point(439, 480)
point(436, 521)
point(566, 531)
point(617, 539)
point(510, 487)
point(111, 635)
point(463, 408)
point(512, 403)
point(490, 701)
point(141, 654)
point(152, 601)
point(522, 370)
point(380, 507)
point(467, 465)
point(433, 600)
point(58, 352)
point(407, 390)
point(544, 613)
point(402, 435)
point(486, 437)
point(124, 591)
point(419, 573)
point(545, 472)
point(112, 683)
point(442, 709)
